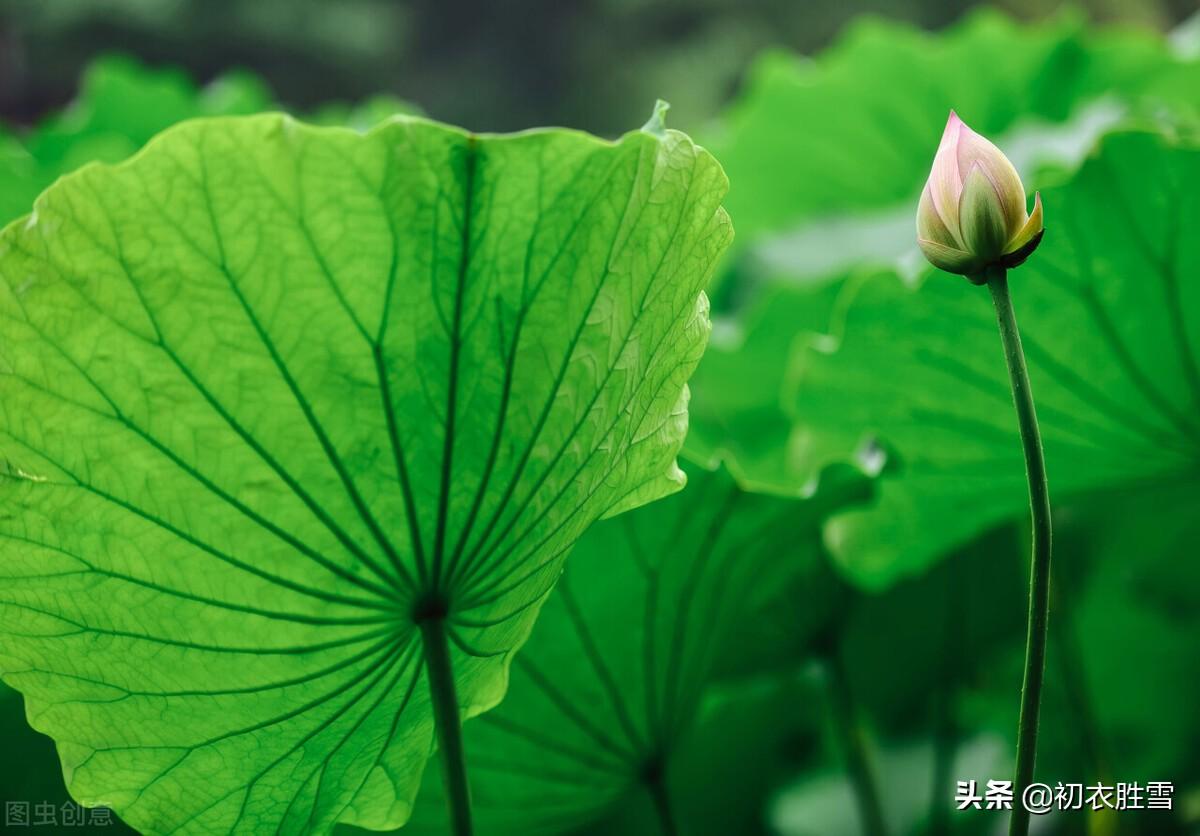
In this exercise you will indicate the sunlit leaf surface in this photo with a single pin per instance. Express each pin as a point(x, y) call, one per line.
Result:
point(272, 394)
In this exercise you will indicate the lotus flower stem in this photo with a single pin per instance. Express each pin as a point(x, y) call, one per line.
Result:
point(449, 724)
point(1039, 576)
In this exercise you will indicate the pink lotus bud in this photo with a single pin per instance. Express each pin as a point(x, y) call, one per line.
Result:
point(972, 213)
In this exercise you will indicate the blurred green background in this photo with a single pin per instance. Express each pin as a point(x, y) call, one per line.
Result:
point(885, 663)
point(597, 65)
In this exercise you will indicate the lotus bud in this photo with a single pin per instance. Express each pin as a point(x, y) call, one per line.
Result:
point(972, 212)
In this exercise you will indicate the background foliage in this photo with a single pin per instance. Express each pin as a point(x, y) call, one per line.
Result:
point(830, 617)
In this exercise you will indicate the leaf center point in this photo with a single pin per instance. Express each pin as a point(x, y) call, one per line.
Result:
point(430, 607)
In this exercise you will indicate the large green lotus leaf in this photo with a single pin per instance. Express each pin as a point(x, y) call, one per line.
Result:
point(905, 653)
point(121, 105)
point(1111, 331)
point(747, 746)
point(613, 682)
point(270, 392)
point(855, 129)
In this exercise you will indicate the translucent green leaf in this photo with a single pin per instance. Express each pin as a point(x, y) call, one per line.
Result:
point(272, 394)
point(613, 684)
point(1109, 319)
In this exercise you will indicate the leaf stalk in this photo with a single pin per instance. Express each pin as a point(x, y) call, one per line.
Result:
point(448, 721)
point(656, 785)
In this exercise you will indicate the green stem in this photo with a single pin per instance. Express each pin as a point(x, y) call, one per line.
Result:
point(858, 763)
point(449, 724)
point(1039, 573)
point(656, 784)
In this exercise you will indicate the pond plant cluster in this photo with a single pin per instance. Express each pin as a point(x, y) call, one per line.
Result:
point(360, 472)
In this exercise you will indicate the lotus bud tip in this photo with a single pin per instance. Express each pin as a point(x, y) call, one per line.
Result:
point(972, 213)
